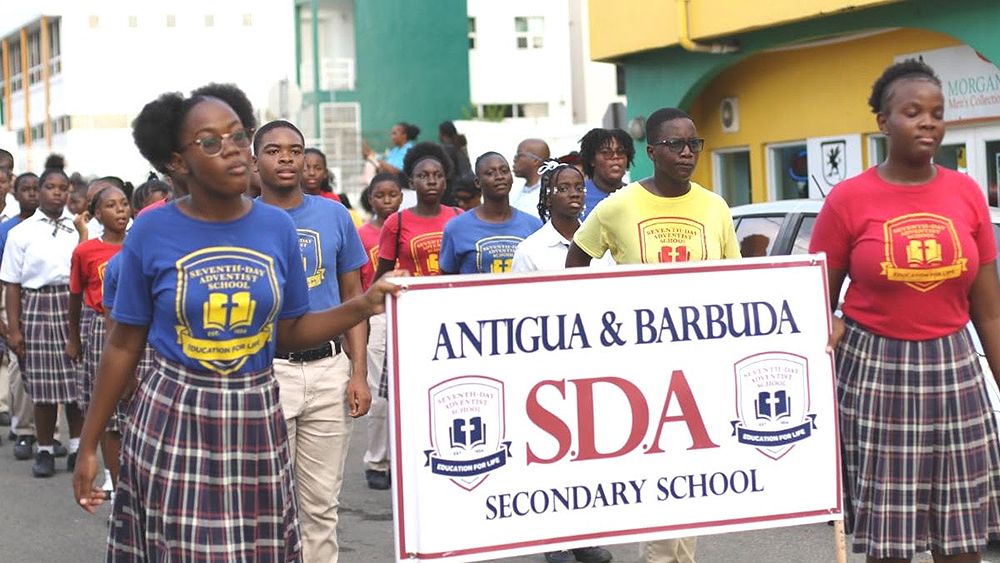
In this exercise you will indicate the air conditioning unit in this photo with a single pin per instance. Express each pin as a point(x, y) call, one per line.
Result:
point(729, 115)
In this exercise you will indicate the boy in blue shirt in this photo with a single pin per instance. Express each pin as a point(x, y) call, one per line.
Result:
point(316, 383)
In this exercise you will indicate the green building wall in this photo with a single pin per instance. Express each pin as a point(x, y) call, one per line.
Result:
point(673, 77)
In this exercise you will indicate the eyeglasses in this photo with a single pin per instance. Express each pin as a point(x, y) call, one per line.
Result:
point(212, 144)
point(613, 153)
point(532, 156)
point(676, 146)
point(581, 189)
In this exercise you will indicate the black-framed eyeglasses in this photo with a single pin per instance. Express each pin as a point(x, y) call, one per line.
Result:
point(212, 144)
point(676, 146)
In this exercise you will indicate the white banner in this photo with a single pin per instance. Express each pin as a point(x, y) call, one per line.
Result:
point(601, 406)
point(970, 82)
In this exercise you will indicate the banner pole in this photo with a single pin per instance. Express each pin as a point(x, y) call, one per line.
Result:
point(840, 540)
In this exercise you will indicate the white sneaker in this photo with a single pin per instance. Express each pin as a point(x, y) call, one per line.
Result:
point(108, 484)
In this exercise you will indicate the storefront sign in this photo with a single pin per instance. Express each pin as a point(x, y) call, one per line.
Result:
point(600, 406)
point(971, 84)
point(831, 161)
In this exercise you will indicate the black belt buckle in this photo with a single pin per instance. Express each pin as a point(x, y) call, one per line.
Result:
point(313, 354)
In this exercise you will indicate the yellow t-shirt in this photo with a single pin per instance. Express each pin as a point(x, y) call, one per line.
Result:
point(641, 228)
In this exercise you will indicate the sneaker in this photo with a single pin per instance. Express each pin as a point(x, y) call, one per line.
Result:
point(23, 447)
point(71, 462)
point(560, 557)
point(592, 555)
point(4, 418)
point(59, 450)
point(45, 465)
point(378, 480)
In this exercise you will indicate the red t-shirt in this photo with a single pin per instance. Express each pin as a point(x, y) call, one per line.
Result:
point(330, 196)
point(912, 252)
point(369, 234)
point(419, 242)
point(86, 273)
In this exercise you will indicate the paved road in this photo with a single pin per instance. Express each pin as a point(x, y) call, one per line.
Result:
point(39, 522)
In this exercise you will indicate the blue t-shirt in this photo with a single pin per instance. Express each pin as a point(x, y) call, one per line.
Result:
point(211, 292)
point(470, 245)
point(111, 270)
point(327, 237)
point(594, 196)
point(396, 155)
point(5, 228)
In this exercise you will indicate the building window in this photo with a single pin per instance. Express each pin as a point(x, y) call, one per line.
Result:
point(472, 33)
point(498, 112)
point(34, 57)
point(731, 175)
point(789, 171)
point(171, 20)
point(60, 124)
point(247, 20)
point(16, 77)
point(55, 47)
point(133, 21)
point(93, 22)
point(209, 20)
point(529, 32)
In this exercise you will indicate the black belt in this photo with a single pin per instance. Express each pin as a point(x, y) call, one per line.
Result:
point(313, 354)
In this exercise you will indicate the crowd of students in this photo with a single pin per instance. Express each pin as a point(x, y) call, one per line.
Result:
point(208, 329)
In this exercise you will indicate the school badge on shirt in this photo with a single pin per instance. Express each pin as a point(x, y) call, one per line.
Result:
point(467, 429)
point(922, 250)
point(227, 299)
point(772, 402)
point(671, 239)
point(495, 255)
point(426, 252)
point(312, 257)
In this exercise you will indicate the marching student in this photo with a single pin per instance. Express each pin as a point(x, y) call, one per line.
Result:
point(606, 156)
point(919, 440)
point(35, 267)
point(89, 262)
point(216, 282)
point(665, 202)
point(316, 175)
point(380, 199)
point(322, 387)
point(484, 239)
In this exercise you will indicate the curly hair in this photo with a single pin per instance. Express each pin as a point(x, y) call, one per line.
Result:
point(421, 151)
point(156, 129)
point(910, 69)
point(597, 139)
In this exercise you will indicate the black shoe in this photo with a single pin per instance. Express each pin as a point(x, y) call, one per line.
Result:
point(4, 418)
point(592, 555)
point(22, 447)
point(378, 480)
point(71, 462)
point(560, 557)
point(59, 450)
point(45, 465)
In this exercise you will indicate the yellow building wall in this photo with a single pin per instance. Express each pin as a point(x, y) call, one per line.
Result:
point(622, 27)
point(794, 94)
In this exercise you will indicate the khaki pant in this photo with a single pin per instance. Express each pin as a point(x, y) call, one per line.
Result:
point(377, 454)
point(21, 406)
point(313, 398)
point(680, 550)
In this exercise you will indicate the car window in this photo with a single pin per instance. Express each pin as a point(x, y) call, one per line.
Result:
point(757, 234)
point(802, 237)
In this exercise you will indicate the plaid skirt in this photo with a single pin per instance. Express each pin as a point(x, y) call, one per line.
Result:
point(205, 472)
point(49, 375)
point(920, 452)
point(92, 338)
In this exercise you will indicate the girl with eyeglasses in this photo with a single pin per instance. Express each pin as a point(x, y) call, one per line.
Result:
point(86, 285)
point(36, 269)
point(484, 239)
point(215, 282)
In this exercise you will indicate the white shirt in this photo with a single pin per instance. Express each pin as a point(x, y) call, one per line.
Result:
point(546, 249)
point(38, 251)
point(409, 199)
point(11, 209)
point(526, 198)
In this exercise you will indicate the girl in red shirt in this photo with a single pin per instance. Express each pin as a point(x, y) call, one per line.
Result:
point(412, 237)
point(381, 199)
point(920, 451)
point(111, 208)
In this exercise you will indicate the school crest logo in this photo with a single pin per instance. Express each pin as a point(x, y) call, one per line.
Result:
point(834, 167)
point(101, 268)
point(426, 252)
point(496, 254)
point(467, 429)
point(922, 250)
point(671, 239)
point(312, 257)
point(772, 402)
point(227, 299)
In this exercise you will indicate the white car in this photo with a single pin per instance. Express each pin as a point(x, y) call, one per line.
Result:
point(784, 227)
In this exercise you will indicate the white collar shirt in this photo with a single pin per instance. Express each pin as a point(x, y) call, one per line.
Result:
point(11, 208)
point(39, 250)
point(526, 198)
point(546, 250)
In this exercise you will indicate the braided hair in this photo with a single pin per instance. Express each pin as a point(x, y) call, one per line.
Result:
point(549, 172)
